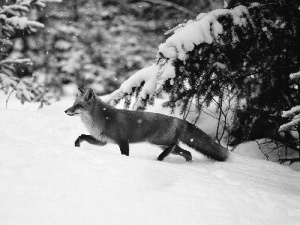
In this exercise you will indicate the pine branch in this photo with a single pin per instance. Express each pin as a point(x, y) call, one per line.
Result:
point(14, 23)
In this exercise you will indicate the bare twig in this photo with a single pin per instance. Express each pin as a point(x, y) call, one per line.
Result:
point(282, 161)
point(219, 120)
point(14, 88)
point(196, 120)
point(188, 110)
point(174, 5)
point(260, 148)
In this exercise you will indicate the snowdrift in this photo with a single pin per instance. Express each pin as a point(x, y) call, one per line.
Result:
point(44, 179)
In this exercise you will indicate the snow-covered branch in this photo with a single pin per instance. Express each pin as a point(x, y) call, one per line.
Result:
point(12, 61)
point(290, 125)
point(13, 9)
point(22, 23)
point(295, 76)
point(294, 112)
point(205, 29)
point(22, 6)
point(12, 17)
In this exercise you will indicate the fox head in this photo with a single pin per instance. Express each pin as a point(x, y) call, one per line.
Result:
point(83, 103)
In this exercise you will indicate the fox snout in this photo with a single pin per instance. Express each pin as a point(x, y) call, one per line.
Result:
point(70, 112)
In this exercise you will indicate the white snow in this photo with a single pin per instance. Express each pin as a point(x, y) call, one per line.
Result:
point(200, 16)
point(6, 81)
point(294, 76)
point(23, 22)
point(167, 72)
point(12, 9)
point(44, 179)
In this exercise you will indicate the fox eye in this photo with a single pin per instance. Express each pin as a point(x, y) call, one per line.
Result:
point(79, 107)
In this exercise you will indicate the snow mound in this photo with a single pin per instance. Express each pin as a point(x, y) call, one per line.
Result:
point(46, 180)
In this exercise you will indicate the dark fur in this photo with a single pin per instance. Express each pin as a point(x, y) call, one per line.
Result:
point(125, 126)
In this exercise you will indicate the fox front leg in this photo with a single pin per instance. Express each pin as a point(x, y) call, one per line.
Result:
point(88, 138)
point(165, 153)
point(124, 148)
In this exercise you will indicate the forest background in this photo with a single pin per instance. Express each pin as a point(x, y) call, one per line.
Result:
point(92, 43)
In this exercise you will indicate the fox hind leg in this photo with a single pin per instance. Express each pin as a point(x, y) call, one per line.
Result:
point(184, 153)
point(176, 150)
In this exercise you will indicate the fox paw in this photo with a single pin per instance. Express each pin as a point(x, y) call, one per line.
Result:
point(189, 158)
point(187, 155)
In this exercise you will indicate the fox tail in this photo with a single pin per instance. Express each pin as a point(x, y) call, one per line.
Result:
point(201, 142)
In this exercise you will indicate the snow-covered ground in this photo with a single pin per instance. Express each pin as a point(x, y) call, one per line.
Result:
point(44, 180)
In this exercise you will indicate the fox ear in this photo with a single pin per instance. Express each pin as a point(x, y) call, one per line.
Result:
point(89, 94)
point(81, 91)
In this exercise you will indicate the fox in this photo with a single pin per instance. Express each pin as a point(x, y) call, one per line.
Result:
point(107, 124)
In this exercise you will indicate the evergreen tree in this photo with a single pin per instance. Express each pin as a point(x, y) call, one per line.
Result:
point(99, 44)
point(15, 72)
point(93, 43)
point(248, 51)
